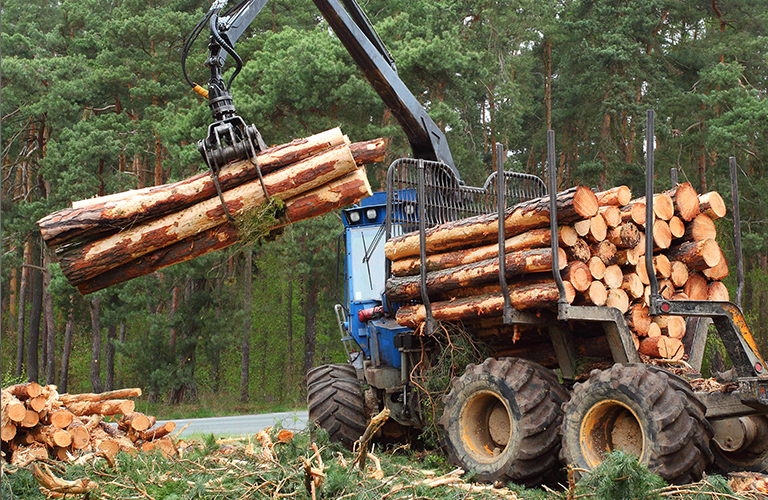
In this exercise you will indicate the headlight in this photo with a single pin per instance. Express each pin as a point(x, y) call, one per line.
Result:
point(354, 217)
point(371, 213)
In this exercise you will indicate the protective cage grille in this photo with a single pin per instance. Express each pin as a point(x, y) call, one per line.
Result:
point(445, 197)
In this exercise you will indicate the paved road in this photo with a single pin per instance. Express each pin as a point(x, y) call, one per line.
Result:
point(242, 424)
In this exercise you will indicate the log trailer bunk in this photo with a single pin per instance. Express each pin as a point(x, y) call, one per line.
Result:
point(507, 418)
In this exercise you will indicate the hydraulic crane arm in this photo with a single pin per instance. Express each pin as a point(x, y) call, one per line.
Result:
point(229, 138)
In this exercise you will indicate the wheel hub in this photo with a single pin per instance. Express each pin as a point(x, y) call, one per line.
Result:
point(486, 426)
point(608, 426)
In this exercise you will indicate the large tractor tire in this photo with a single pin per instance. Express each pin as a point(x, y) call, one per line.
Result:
point(748, 451)
point(502, 419)
point(641, 410)
point(335, 402)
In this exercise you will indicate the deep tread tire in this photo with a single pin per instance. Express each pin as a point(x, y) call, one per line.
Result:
point(526, 398)
point(335, 402)
point(647, 408)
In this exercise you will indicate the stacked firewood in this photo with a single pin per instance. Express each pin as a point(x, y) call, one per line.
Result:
point(601, 256)
point(40, 423)
point(103, 241)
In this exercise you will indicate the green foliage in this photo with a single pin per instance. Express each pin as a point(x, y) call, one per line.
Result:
point(620, 475)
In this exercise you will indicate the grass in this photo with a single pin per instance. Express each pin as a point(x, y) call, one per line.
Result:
point(211, 405)
point(239, 470)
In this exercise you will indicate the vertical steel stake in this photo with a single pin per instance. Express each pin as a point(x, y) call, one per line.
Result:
point(737, 231)
point(650, 143)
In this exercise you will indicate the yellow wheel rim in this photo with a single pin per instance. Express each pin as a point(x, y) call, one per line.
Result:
point(486, 425)
point(608, 426)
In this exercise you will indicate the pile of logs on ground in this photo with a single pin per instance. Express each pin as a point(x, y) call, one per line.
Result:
point(40, 423)
point(601, 256)
point(103, 241)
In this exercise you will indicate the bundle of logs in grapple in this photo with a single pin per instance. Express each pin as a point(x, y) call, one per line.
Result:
point(103, 241)
point(40, 423)
point(601, 256)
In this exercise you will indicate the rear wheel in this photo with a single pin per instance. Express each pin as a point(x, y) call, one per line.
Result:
point(643, 411)
point(502, 418)
point(335, 402)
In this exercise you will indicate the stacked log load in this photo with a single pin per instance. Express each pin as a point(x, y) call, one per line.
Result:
point(103, 241)
point(40, 423)
point(601, 247)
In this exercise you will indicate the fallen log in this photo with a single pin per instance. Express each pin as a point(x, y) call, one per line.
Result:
point(662, 347)
point(538, 296)
point(697, 255)
point(108, 407)
point(336, 194)
point(25, 391)
point(79, 263)
point(572, 204)
point(13, 410)
point(407, 288)
point(133, 392)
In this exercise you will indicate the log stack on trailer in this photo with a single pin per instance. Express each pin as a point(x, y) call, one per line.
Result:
point(601, 248)
point(107, 240)
point(40, 423)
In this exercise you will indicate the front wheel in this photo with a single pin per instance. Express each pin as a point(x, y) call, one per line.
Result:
point(502, 419)
point(335, 402)
point(643, 411)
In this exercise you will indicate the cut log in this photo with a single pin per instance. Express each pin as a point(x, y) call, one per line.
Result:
point(578, 274)
point(680, 296)
point(539, 296)
point(666, 288)
point(367, 152)
point(719, 271)
point(638, 319)
point(676, 227)
point(573, 204)
point(627, 257)
point(700, 228)
point(663, 206)
point(597, 229)
point(595, 295)
point(713, 205)
point(632, 285)
point(653, 330)
point(81, 437)
point(578, 251)
point(7, 431)
point(696, 287)
point(60, 417)
point(662, 266)
point(678, 273)
point(108, 407)
point(697, 255)
point(581, 227)
point(613, 277)
point(662, 236)
point(13, 410)
point(80, 263)
point(25, 391)
point(671, 326)
point(567, 236)
point(109, 214)
point(686, 201)
point(406, 288)
point(336, 194)
point(536, 238)
point(31, 419)
point(718, 291)
point(156, 432)
point(635, 213)
point(52, 436)
point(24, 455)
point(611, 214)
point(136, 421)
point(37, 403)
point(606, 251)
point(617, 196)
point(133, 392)
point(618, 298)
point(625, 236)
point(596, 267)
point(662, 348)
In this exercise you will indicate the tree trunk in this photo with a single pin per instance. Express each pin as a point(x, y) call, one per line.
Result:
point(310, 324)
point(64, 379)
point(22, 309)
point(50, 347)
point(95, 373)
point(289, 335)
point(713, 205)
point(35, 315)
point(335, 194)
point(245, 360)
point(109, 358)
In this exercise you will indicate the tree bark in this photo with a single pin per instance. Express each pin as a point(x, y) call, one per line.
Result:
point(700, 228)
point(35, 315)
point(109, 357)
point(50, 347)
point(95, 373)
point(289, 335)
point(20, 343)
point(697, 255)
point(245, 359)
point(335, 194)
point(310, 323)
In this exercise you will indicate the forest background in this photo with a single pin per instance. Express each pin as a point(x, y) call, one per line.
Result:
point(93, 102)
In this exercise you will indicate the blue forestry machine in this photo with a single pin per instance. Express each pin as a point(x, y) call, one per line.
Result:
point(507, 418)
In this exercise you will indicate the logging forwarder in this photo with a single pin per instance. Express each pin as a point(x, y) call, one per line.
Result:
point(508, 419)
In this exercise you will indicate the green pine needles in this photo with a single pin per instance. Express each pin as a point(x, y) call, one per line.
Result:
point(257, 224)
